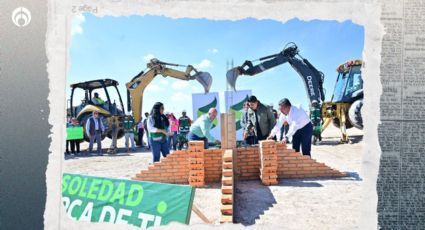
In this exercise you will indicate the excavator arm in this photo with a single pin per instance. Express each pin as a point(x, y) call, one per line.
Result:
point(136, 87)
point(312, 78)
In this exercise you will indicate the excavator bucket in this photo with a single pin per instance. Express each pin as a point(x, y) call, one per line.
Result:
point(232, 75)
point(205, 79)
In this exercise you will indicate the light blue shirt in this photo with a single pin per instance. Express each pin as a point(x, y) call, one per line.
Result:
point(202, 127)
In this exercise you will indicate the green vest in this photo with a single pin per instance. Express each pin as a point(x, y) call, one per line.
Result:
point(128, 124)
point(158, 136)
point(99, 101)
point(184, 124)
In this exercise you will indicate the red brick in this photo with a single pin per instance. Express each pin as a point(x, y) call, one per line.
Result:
point(226, 209)
point(227, 199)
point(226, 219)
point(227, 172)
point(227, 181)
point(227, 165)
point(227, 189)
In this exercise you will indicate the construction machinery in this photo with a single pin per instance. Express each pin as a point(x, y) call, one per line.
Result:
point(112, 114)
point(137, 85)
point(344, 108)
point(344, 100)
point(109, 109)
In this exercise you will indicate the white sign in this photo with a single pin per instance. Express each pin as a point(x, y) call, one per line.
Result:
point(201, 103)
point(234, 101)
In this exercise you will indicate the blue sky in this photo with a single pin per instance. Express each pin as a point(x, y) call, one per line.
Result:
point(118, 48)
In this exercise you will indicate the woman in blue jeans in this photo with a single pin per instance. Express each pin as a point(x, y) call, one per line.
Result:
point(157, 126)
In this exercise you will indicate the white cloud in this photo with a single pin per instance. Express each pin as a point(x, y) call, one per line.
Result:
point(181, 97)
point(180, 85)
point(153, 88)
point(77, 24)
point(163, 82)
point(148, 57)
point(203, 64)
point(213, 50)
point(195, 88)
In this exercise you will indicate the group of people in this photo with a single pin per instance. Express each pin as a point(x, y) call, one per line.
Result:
point(75, 143)
point(160, 126)
point(260, 122)
point(163, 129)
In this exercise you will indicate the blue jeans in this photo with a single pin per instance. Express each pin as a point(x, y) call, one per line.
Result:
point(302, 138)
point(174, 140)
point(158, 147)
point(98, 137)
point(193, 137)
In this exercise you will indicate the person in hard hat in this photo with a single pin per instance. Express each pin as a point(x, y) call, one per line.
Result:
point(200, 129)
point(128, 125)
point(158, 126)
point(97, 100)
point(300, 127)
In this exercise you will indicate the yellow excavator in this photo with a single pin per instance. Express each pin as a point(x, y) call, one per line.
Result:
point(113, 114)
point(137, 85)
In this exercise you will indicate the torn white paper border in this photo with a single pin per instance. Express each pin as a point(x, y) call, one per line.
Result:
point(61, 13)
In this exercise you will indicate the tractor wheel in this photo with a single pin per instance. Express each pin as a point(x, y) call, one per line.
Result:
point(355, 115)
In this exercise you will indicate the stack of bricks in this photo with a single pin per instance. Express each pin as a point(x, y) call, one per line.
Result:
point(213, 165)
point(196, 164)
point(268, 159)
point(293, 164)
point(248, 164)
point(172, 169)
point(228, 131)
point(227, 188)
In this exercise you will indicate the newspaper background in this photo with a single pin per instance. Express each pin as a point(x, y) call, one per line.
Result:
point(402, 79)
point(401, 180)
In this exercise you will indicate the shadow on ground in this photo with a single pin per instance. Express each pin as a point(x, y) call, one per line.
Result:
point(252, 199)
point(121, 152)
point(354, 139)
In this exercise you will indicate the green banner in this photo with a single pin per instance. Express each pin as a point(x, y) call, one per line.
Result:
point(74, 133)
point(139, 203)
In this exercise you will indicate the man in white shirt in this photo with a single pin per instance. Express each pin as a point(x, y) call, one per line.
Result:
point(300, 127)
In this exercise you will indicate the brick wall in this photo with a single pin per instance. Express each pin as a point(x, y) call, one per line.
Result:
point(248, 163)
point(293, 164)
point(196, 164)
point(290, 164)
point(172, 169)
point(268, 161)
point(213, 165)
point(227, 187)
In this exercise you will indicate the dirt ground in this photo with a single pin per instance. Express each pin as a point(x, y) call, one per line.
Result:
point(317, 203)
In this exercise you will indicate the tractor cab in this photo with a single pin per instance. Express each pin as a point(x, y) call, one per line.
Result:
point(349, 83)
point(100, 95)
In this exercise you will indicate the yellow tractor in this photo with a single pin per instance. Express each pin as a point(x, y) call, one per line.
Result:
point(106, 106)
point(112, 114)
point(344, 109)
